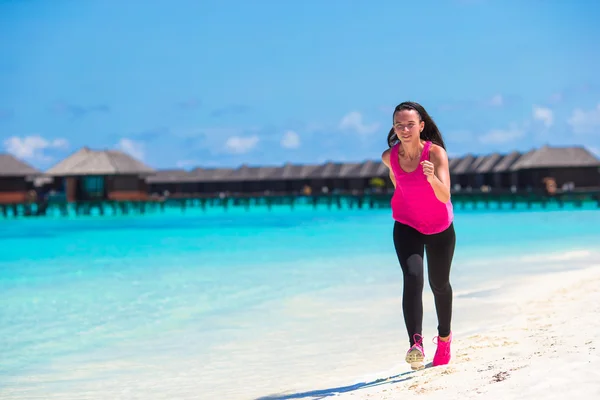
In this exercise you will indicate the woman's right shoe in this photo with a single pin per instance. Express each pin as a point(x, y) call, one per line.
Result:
point(442, 353)
point(416, 354)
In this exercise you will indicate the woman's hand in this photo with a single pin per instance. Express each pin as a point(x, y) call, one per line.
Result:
point(428, 170)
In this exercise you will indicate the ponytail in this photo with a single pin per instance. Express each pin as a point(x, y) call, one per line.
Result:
point(392, 138)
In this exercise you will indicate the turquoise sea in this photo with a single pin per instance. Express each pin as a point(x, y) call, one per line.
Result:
point(240, 304)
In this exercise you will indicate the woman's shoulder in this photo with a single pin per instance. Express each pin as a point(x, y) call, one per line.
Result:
point(385, 156)
point(437, 152)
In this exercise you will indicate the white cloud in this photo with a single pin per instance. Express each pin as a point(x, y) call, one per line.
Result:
point(585, 121)
point(132, 147)
point(60, 143)
point(353, 121)
point(290, 140)
point(496, 101)
point(499, 136)
point(543, 114)
point(33, 147)
point(241, 145)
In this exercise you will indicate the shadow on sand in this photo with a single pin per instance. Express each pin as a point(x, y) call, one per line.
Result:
point(323, 393)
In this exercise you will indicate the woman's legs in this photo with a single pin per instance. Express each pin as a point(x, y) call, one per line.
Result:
point(440, 251)
point(409, 249)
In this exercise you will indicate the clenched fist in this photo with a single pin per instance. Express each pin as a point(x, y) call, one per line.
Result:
point(428, 170)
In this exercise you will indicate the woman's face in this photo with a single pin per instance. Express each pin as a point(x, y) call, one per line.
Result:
point(408, 126)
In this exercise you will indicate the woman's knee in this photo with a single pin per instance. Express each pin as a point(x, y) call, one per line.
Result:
point(413, 266)
point(440, 288)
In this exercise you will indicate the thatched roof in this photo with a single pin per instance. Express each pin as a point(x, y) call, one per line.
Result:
point(292, 171)
point(350, 170)
point(552, 157)
point(246, 173)
point(13, 167)
point(453, 162)
point(99, 162)
point(169, 176)
point(325, 171)
point(211, 174)
point(382, 170)
point(472, 168)
point(543, 157)
point(488, 163)
point(463, 165)
point(369, 169)
point(507, 161)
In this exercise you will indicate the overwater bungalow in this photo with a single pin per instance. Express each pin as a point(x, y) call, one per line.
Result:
point(171, 182)
point(286, 179)
point(503, 176)
point(292, 178)
point(458, 174)
point(483, 174)
point(212, 180)
point(101, 175)
point(368, 176)
point(16, 179)
point(452, 162)
point(573, 167)
point(325, 178)
point(251, 179)
point(472, 172)
point(470, 176)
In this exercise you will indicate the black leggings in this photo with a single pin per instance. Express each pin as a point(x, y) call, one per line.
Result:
point(410, 244)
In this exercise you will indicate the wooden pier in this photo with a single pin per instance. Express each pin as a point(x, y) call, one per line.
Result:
point(462, 201)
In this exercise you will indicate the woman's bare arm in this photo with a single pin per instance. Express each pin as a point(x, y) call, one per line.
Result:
point(385, 157)
point(441, 180)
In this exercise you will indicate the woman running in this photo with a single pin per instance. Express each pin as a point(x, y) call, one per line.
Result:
point(423, 221)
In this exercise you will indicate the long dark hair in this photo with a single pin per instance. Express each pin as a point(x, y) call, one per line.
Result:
point(430, 131)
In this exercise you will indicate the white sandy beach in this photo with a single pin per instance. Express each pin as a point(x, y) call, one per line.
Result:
point(549, 350)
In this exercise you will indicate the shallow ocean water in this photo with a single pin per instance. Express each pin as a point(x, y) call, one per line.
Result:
point(205, 304)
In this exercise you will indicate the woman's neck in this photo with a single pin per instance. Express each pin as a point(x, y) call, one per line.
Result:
point(413, 151)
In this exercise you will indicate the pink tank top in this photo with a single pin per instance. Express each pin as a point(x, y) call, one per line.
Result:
point(414, 202)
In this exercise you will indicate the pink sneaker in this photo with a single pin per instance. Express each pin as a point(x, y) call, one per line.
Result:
point(416, 354)
point(442, 354)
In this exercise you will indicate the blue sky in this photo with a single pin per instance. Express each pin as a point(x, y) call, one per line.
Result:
point(222, 83)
